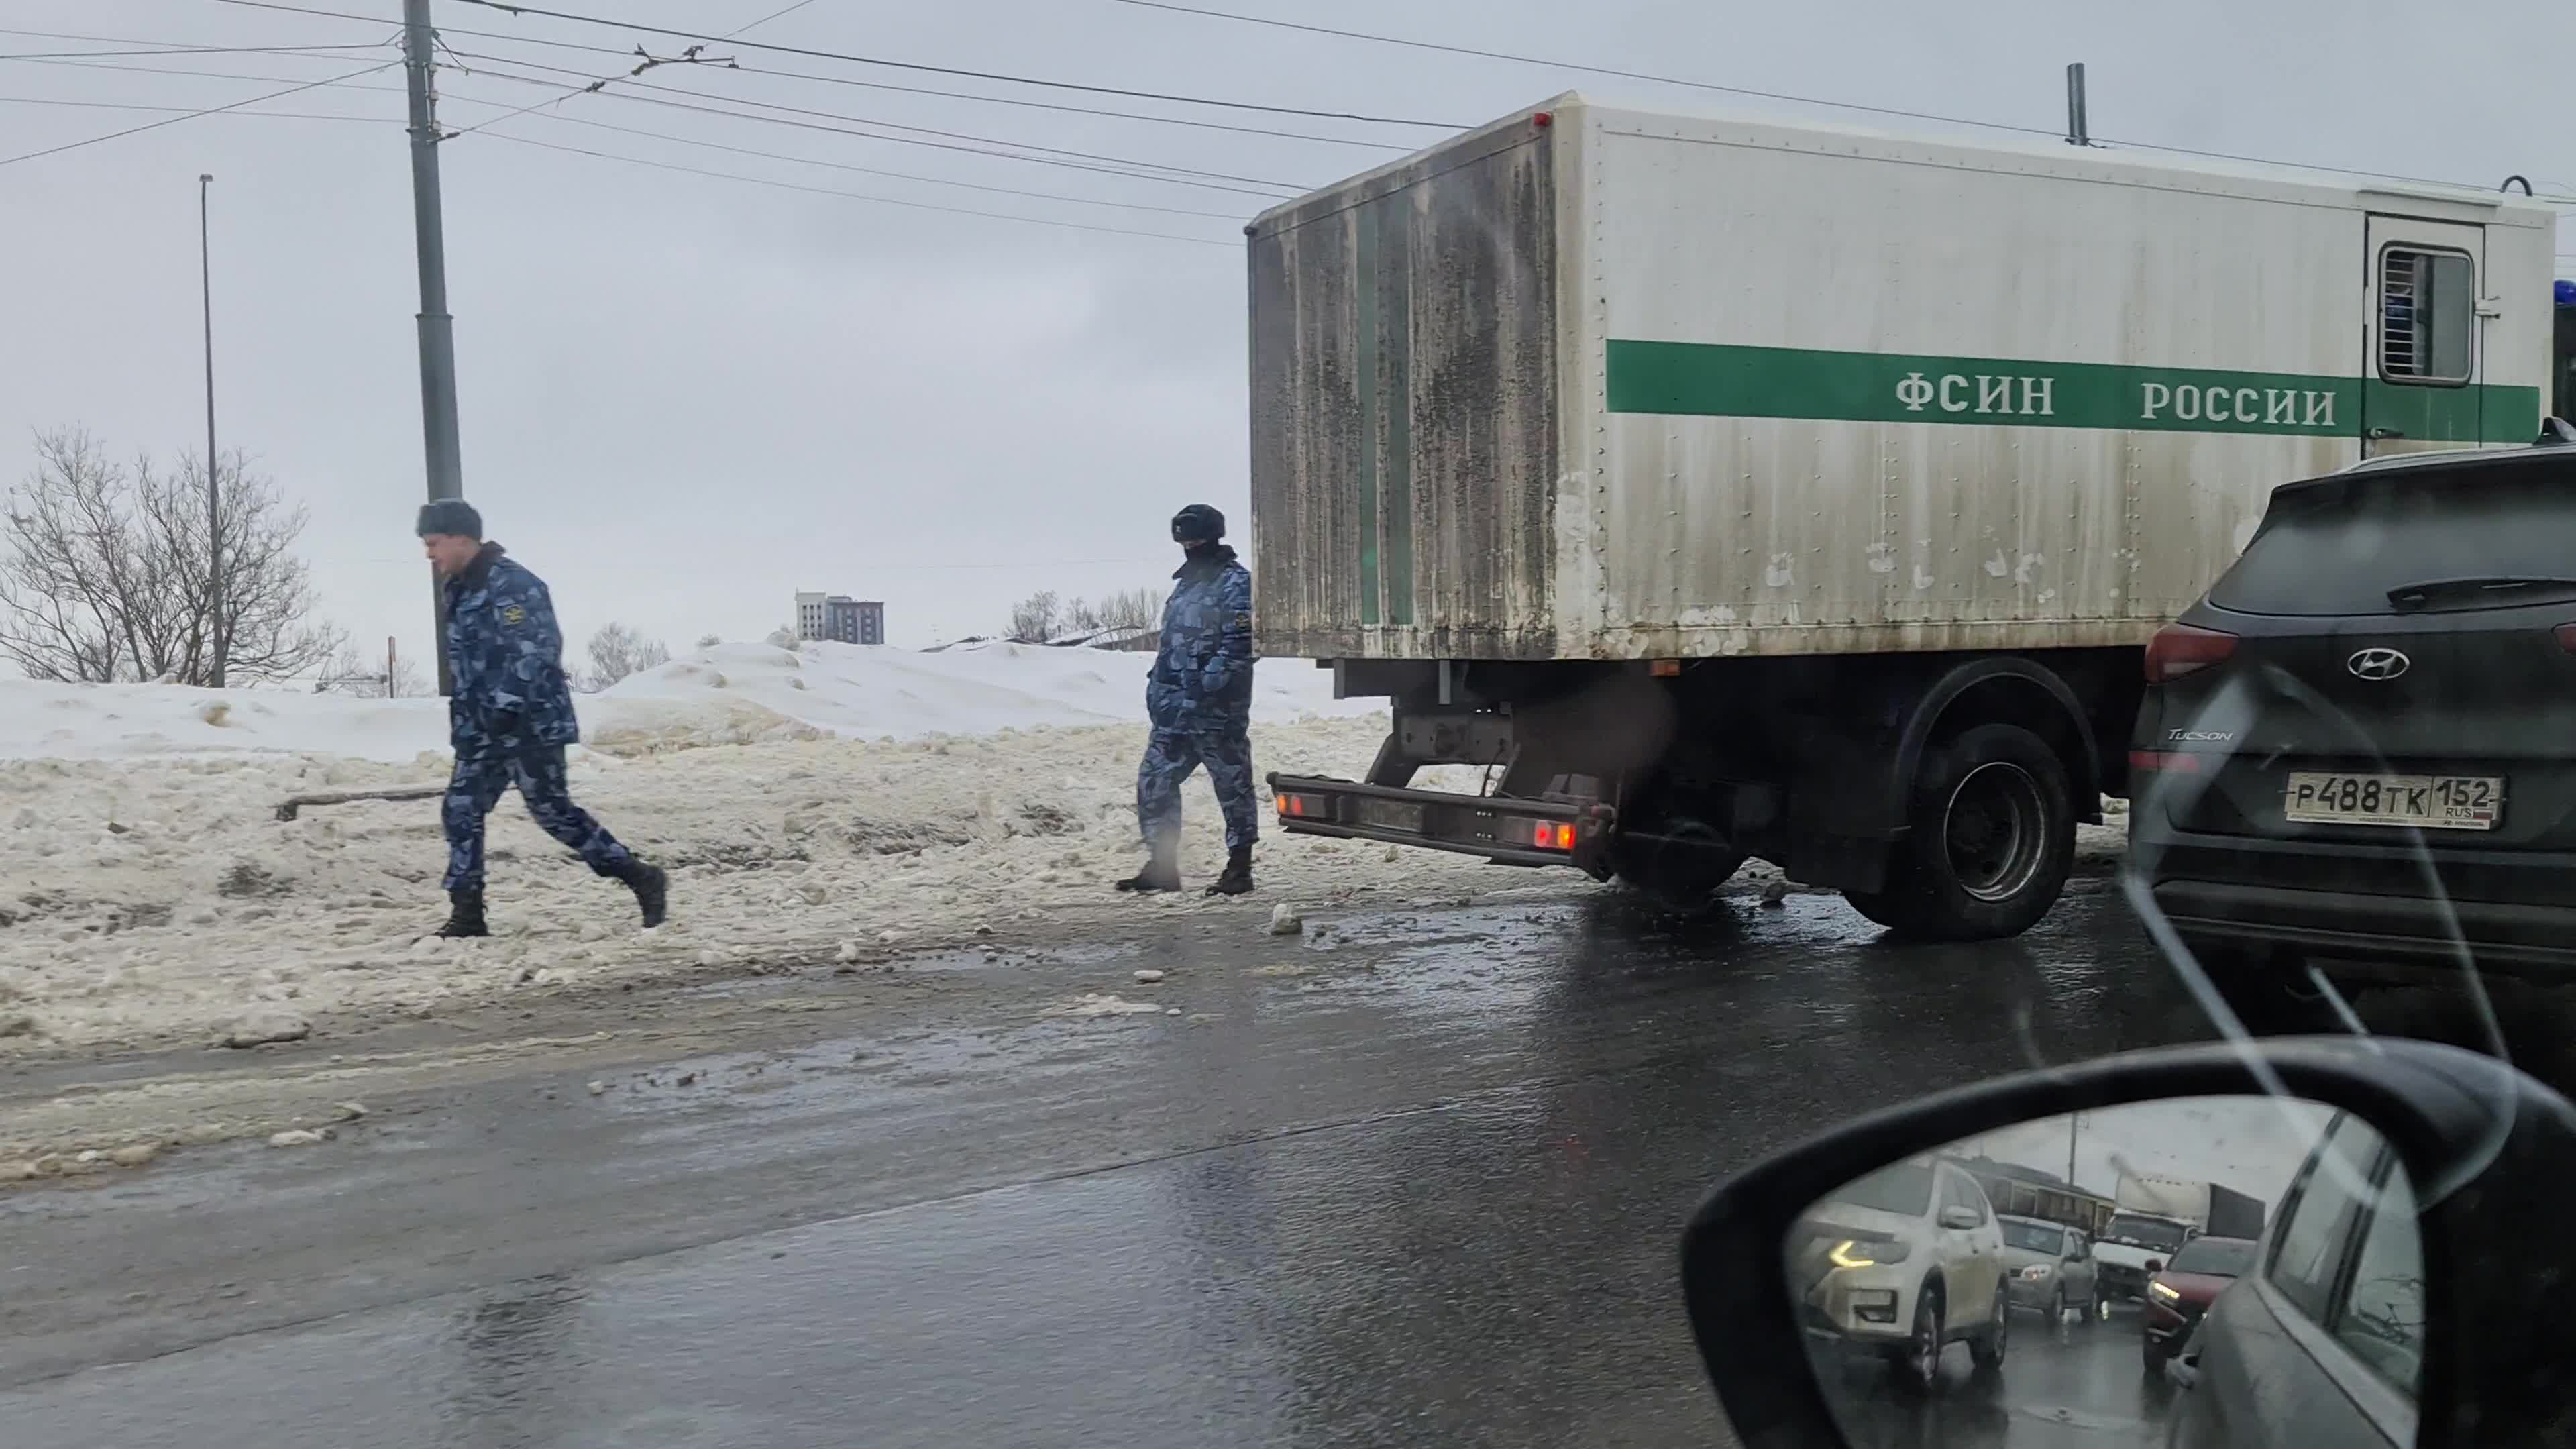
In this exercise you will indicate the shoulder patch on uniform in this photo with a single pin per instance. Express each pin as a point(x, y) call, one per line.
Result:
point(513, 614)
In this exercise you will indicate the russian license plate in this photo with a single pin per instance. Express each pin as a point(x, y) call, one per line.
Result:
point(1390, 814)
point(2428, 802)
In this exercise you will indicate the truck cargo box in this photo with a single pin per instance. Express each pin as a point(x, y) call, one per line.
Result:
point(1605, 384)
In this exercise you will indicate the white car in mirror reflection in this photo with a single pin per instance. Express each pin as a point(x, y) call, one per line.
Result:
point(1903, 1263)
point(2049, 1267)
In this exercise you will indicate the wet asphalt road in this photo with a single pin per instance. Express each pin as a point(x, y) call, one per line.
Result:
point(1420, 1186)
point(2073, 1385)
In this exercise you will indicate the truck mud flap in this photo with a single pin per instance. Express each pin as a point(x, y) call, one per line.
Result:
point(1511, 831)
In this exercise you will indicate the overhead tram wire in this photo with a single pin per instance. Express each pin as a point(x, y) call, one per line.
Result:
point(1082, 160)
point(831, 165)
point(568, 91)
point(195, 111)
point(851, 81)
point(995, 76)
point(891, 175)
point(192, 115)
point(1465, 50)
point(1055, 106)
point(860, 196)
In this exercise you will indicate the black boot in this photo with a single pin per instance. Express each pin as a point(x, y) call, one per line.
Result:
point(652, 887)
point(1157, 875)
point(1237, 880)
point(464, 916)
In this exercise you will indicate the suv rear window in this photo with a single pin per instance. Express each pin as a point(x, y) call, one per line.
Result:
point(2338, 547)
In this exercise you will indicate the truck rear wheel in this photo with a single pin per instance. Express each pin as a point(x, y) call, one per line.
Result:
point(1990, 838)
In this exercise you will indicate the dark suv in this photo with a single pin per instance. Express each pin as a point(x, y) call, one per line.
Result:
point(2360, 749)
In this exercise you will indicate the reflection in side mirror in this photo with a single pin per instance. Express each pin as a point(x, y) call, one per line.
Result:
point(1959, 1272)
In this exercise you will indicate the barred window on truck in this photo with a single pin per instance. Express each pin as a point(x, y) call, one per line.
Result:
point(2427, 316)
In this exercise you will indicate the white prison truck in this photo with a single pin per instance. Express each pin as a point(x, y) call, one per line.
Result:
point(1736, 489)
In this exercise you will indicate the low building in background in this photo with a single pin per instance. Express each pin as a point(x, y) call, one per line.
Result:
point(840, 617)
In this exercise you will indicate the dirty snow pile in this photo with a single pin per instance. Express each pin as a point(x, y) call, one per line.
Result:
point(730, 694)
point(830, 804)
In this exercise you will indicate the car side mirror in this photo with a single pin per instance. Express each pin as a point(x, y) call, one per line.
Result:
point(1959, 1218)
point(1821, 1320)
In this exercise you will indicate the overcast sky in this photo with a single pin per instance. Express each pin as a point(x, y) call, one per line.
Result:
point(685, 397)
point(2252, 1144)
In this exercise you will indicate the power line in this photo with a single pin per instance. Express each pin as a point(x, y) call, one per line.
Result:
point(191, 111)
point(192, 115)
point(764, 20)
point(1178, 176)
point(1178, 9)
point(159, 49)
point(1055, 106)
point(873, 171)
point(1174, 172)
point(569, 91)
point(1468, 50)
point(857, 196)
point(512, 9)
point(836, 80)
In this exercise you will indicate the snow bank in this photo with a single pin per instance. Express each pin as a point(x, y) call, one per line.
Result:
point(803, 802)
point(847, 690)
point(731, 694)
point(161, 900)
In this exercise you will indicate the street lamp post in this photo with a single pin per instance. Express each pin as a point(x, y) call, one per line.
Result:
point(218, 644)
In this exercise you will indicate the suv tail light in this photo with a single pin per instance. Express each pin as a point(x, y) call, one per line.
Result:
point(2180, 649)
point(2566, 637)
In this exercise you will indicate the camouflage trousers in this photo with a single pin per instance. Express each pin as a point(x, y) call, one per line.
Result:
point(538, 772)
point(1172, 755)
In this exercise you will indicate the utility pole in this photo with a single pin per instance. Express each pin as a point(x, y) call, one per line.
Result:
point(437, 329)
point(218, 645)
point(2077, 131)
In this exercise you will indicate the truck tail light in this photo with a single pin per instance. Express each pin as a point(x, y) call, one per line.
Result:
point(1546, 834)
point(1303, 807)
point(2180, 649)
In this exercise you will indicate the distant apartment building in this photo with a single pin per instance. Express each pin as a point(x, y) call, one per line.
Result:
point(840, 617)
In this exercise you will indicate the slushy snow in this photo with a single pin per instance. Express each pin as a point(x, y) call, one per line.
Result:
point(803, 800)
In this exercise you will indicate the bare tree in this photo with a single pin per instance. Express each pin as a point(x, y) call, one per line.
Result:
point(353, 672)
point(617, 651)
point(709, 641)
point(1081, 618)
point(1130, 609)
point(105, 572)
point(1035, 619)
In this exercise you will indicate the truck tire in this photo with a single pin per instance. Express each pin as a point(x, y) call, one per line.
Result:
point(1990, 838)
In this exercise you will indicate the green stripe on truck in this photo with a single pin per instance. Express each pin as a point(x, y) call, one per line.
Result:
point(1704, 380)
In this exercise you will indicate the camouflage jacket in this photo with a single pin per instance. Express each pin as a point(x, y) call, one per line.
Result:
point(1203, 672)
point(506, 653)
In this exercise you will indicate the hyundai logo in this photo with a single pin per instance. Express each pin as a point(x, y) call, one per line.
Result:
point(2378, 664)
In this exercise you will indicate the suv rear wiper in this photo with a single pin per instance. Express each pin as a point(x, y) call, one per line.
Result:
point(2429, 589)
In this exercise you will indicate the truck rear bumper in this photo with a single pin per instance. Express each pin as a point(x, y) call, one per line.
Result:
point(1499, 828)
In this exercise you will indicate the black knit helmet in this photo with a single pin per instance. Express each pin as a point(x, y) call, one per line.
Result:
point(1198, 523)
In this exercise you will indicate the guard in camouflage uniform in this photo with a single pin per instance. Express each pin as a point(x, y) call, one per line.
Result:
point(510, 716)
point(1199, 698)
